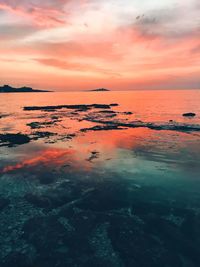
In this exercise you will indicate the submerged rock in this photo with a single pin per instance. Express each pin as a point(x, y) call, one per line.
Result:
point(48, 236)
point(3, 203)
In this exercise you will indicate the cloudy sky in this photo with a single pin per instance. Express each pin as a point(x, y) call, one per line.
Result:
point(85, 44)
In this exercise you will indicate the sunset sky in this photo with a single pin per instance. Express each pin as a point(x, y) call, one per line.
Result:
point(86, 44)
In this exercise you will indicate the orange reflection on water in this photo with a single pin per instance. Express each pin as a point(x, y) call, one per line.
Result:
point(90, 150)
point(109, 140)
point(104, 143)
point(48, 158)
point(56, 157)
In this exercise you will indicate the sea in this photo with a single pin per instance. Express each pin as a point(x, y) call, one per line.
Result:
point(100, 179)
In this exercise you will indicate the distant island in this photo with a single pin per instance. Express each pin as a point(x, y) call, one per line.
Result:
point(100, 90)
point(10, 89)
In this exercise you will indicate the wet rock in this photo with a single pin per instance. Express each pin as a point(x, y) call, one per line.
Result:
point(55, 118)
point(34, 125)
point(102, 128)
point(128, 113)
point(38, 125)
point(10, 140)
point(2, 115)
point(94, 155)
point(117, 124)
point(107, 111)
point(114, 105)
point(68, 137)
point(190, 114)
point(77, 107)
point(49, 110)
point(43, 134)
point(173, 127)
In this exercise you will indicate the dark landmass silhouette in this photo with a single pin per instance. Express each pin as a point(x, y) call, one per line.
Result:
point(100, 90)
point(10, 89)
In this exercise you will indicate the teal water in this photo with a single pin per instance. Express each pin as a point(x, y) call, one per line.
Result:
point(75, 195)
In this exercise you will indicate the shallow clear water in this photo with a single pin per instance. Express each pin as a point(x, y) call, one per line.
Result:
point(74, 195)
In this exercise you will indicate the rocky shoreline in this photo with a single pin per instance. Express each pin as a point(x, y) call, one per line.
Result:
point(102, 117)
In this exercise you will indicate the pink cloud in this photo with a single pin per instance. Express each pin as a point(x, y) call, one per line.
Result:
point(149, 50)
point(43, 15)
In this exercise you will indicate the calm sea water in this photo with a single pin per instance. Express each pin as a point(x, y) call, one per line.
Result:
point(161, 105)
point(109, 197)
